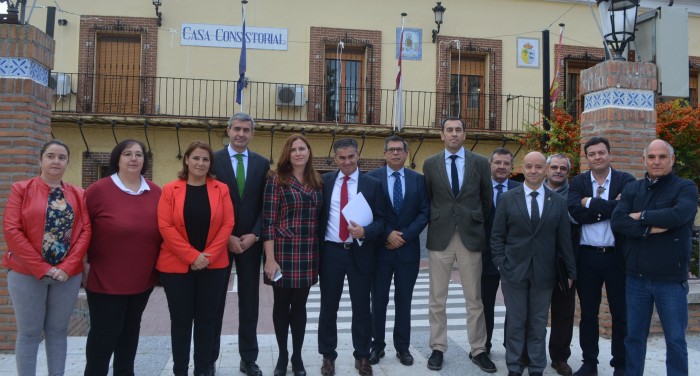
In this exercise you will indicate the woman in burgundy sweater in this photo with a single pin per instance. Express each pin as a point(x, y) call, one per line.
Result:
point(120, 264)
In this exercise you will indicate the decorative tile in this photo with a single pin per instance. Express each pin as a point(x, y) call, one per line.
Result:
point(15, 67)
point(619, 98)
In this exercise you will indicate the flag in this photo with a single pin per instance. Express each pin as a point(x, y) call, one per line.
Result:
point(398, 111)
point(241, 66)
point(554, 88)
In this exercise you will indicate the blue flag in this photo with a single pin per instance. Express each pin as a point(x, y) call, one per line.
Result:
point(241, 67)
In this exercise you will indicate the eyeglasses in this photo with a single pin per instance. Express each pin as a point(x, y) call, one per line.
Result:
point(560, 168)
point(394, 150)
point(129, 155)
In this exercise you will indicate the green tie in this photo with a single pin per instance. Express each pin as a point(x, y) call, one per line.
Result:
point(240, 173)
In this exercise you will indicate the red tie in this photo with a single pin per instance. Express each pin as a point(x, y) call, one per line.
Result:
point(343, 230)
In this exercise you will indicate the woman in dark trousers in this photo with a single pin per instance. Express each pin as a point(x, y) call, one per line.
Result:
point(47, 231)
point(291, 209)
point(120, 267)
point(195, 216)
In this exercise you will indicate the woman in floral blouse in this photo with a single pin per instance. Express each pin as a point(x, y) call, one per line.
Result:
point(291, 209)
point(47, 230)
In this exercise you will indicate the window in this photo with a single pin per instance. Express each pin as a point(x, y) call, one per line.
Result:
point(573, 65)
point(117, 74)
point(693, 87)
point(345, 87)
point(467, 89)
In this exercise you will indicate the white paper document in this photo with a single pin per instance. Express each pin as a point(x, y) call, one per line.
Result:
point(358, 211)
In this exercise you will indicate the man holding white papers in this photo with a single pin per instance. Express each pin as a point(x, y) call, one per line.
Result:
point(347, 249)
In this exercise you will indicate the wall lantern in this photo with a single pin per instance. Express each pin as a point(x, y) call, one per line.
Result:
point(619, 18)
point(439, 10)
point(157, 4)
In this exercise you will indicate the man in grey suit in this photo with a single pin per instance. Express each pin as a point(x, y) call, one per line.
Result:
point(459, 188)
point(245, 173)
point(530, 228)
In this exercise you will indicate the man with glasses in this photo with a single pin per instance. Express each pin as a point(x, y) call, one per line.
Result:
point(593, 195)
point(407, 214)
point(501, 168)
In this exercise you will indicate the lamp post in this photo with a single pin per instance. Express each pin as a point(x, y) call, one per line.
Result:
point(158, 4)
point(439, 11)
point(619, 18)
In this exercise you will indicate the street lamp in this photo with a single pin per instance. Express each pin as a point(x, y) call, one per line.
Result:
point(439, 10)
point(619, 18)
point(157, 4)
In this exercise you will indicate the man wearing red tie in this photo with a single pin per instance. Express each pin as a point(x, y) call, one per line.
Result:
point(347, 249)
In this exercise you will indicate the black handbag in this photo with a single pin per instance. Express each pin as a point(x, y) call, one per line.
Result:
point(562, 276)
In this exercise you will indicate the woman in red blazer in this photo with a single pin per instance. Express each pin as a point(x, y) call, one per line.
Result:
point(47, 230)
point(195, 217)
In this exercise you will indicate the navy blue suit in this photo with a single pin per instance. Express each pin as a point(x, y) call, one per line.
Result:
point(595, 269)
point(357, 262)
point(490, 277)
point(402, 263)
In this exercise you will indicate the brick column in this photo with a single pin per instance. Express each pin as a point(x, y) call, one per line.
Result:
point(619, 105)
point(26, 56)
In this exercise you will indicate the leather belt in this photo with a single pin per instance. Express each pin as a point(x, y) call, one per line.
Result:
point(341, 245)
point(598, 249)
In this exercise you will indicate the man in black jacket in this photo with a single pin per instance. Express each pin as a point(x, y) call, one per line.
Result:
point(592, 197)
point(656, 215)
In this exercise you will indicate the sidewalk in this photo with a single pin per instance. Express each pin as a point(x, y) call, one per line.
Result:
point(154, 357)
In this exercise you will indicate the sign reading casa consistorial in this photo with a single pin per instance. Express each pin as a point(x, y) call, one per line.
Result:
point(231, 36)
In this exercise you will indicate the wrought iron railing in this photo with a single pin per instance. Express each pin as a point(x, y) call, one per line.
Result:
point(280, 102)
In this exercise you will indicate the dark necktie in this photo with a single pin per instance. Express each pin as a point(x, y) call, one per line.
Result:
point(343, 230)
point(534, 210)
point(499, 187)
point(398, 192)
point(455, 175)
point(240, 173)
point(599, 191)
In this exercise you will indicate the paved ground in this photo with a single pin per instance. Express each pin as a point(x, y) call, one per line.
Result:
point(154, 357)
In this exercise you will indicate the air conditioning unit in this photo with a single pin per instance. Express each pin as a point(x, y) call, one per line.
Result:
point(289, 95)
point(60, 82)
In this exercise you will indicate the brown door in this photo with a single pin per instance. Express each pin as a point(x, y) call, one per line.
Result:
point(693, 88)
point(344, 85)
point(117, 71)
point(467, 90)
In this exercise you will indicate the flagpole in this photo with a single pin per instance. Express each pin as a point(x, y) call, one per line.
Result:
point(398, 113)
point(242, 62)
point(554, 87)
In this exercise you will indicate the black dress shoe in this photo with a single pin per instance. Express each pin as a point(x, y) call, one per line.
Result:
point(435, 360)
point(375, 356)
point(212, 370)
point(250, 368)
point(535, 373)
point(405, 358)
point(482, 360)
point(513, 373)
point(587, 370)
point(299, 371)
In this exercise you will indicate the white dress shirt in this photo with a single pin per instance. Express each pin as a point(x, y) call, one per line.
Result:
point(598, 234)
point(528, 198)
point(234, 160)
point(460, 165)
point(333, 225)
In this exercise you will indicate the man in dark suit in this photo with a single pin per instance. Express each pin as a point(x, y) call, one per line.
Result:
point(593, 195)
point(348, 249)
point(406, 216)
point(246, 186)
point(460, 192)
point(501, 167)
point(530, 228)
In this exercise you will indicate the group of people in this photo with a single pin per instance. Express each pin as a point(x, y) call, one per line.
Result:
point(124, 234)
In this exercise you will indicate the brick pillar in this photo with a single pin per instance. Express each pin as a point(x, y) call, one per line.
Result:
point(619, 105)
point(26, 56)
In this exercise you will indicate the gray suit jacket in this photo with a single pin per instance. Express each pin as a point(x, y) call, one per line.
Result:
point(521, 252)
point(465, 213)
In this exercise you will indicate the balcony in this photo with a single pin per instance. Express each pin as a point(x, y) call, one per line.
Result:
point(169, 99)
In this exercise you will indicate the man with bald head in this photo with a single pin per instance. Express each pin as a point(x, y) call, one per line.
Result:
point(530, 228)
point(656, 215)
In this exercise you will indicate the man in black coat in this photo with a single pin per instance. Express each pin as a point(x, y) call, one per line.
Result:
point(245, 173)
point(593, 196)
